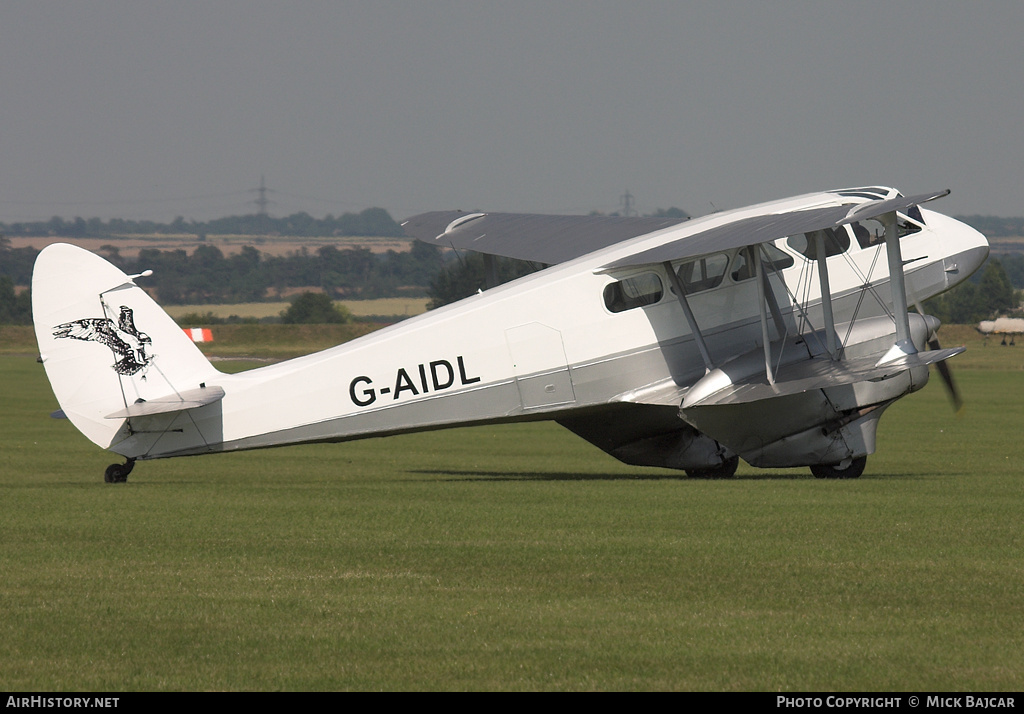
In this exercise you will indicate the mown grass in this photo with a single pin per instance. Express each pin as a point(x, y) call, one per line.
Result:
point(513, 557)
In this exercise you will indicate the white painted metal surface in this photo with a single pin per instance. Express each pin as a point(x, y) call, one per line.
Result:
point(546, 345)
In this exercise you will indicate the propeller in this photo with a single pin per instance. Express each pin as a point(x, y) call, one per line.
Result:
point(943, 369)
point(947, 378)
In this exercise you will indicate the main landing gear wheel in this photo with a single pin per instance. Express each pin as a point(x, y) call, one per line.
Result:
point(727, 469)
point(852, 468)
point(118, 473)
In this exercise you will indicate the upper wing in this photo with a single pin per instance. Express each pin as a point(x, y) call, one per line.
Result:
point(539, 238)
point(555, 239)
point(769, 227)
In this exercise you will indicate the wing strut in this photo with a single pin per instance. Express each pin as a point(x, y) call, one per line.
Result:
point(762, 306)
point(826, 294)
point(904, 345)
point(773, 303)
point(677, 285)
point(767, 302)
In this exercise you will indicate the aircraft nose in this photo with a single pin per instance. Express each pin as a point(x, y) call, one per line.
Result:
point(961, 265)
point(972, 251)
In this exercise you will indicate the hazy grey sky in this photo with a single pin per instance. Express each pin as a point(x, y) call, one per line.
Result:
point(120, 108)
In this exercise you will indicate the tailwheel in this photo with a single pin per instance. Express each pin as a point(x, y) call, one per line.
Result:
point(727, 469)
point(850, 468)
point(118, 473)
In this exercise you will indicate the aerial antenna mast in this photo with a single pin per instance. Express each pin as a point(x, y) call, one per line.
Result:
point(627, 203)
point(261, 203)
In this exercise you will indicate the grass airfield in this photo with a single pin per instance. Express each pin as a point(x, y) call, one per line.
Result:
point(516, 558)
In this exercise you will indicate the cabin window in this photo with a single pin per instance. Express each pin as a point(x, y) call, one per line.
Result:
point(703, 273)
point(905, 226)
point(836, 241)
point(638, 291)
point(776, 259)
point(869, 232)
point(771, 258)
point(872, 231)
point(914, 212)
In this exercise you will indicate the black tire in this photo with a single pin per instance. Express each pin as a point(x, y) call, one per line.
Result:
point(852, 470)
point(727, 469)
point(118, 473)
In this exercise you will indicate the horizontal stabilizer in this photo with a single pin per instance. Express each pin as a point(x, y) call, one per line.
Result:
point(818, 373)
point(189, 399)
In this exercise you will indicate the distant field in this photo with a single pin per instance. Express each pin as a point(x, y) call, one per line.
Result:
point(130, 245)
point(1009, 244)
point(513, 558)
point(982, 352)
point(359, 308)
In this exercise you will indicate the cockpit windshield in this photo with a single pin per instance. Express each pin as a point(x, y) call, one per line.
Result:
point(872, 232)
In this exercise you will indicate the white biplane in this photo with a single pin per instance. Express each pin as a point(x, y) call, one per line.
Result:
point(776, 333)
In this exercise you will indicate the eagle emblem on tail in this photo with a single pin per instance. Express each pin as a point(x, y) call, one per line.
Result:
point(122, 337)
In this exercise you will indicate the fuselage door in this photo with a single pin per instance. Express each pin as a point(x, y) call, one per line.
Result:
point(541, 369)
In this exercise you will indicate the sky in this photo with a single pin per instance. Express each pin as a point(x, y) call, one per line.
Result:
point(123, 109)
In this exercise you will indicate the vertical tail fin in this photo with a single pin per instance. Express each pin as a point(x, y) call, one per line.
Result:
point(105, 344)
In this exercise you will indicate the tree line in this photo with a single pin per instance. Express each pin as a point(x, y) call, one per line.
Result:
point(208, 276)
point(370, 222)
point(995, 226)
point(988, 294)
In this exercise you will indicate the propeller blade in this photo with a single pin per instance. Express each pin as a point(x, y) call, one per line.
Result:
point(943, 369)
point(947, 378)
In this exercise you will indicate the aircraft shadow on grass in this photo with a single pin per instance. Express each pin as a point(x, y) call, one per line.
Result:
point(494, 476)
